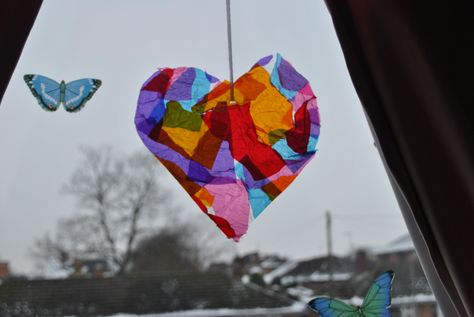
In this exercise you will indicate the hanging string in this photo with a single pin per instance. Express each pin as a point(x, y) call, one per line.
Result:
point(229, 47)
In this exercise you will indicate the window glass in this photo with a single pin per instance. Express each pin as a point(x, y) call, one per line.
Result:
point(71, 240)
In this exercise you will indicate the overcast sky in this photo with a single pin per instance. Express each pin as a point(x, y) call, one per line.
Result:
point(122, 43)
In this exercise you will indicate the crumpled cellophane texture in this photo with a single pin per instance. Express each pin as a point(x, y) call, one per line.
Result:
point(232, 159)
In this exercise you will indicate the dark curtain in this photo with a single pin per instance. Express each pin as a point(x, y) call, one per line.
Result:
point(16, 20)
point(411, 64)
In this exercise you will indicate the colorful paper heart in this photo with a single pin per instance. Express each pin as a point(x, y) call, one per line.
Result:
point(233, 159)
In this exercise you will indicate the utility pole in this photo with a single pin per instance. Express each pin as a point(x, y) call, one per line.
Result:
point(329, 245)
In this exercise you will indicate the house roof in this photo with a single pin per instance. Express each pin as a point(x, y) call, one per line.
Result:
point(138, 294)
point(402, 244)
point(272, 262)
point(282, 270)
point(321, 265)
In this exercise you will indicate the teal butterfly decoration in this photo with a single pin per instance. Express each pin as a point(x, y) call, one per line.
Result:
point(50, 94)
point(376, 303)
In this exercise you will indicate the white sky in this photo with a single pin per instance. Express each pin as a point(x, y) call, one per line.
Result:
point(122, 43)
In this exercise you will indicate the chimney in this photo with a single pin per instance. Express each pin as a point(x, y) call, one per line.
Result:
point(361, 261)
point(4, 270)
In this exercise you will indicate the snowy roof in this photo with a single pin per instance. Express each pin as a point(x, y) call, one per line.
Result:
point(280, 271)
point(303, 294)
point(316, 277)
point(320, 265)
point(272, 262)
point(417, 298)
point(402, 244)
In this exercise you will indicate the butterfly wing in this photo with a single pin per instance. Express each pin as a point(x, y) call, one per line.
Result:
point(77, 93)
point(378, 299)
point(328, 307)
point(46, 91)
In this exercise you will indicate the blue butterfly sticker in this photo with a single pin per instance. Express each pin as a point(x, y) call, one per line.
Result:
point(50, 94)
point(376, 303)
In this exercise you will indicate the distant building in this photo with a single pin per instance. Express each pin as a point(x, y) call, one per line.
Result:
point(412, 295)
point(352, 276)
point(271, 262)
point(90, 268)
point(254, 263)
point(242, 265)
point(322, 275)
point(347, 277)
point(4, 270)
point(401, 245)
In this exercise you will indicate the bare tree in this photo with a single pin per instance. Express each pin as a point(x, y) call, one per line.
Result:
point(121, 201)
point(120, 197)
point(122, 194)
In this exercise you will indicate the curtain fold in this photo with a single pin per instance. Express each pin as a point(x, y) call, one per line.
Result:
point(411, 65)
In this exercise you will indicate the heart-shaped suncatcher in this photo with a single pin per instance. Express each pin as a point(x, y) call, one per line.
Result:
point(233, 159)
